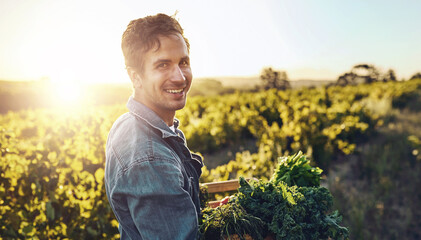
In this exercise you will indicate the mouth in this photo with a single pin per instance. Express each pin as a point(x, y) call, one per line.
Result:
point(175, 91)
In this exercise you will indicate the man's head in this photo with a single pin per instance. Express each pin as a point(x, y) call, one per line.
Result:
point(158, 63)
point(142, 35)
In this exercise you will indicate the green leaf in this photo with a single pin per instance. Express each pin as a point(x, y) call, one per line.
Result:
point(50, 211)
point(28, 229)
point(92, 231)
point(296, 170)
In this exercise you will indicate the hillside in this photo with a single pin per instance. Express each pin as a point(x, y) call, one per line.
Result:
point(15, 95)
point(253, 81)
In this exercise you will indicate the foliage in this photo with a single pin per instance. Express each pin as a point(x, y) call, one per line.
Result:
point(209, 87)
point(52, 160)
point(389, 76)
point(274, 79)
point(203, 195)
point(416, 76)
point(51, 182)
point(408, 96)
point(364, 73)
point(296, 170)
point(378, 190)
point(228, 220)
point(346, 79)
point(368, 73)
point(322, 122)
point(292, 212)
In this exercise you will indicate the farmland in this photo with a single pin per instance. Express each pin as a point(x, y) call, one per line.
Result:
point(365, 138)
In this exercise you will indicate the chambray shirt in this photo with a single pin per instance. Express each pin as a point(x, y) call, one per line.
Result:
point(151, 177)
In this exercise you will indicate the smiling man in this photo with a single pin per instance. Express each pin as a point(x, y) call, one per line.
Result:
point(151, 177)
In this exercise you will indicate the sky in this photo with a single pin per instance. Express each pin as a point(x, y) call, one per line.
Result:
point(80, 40)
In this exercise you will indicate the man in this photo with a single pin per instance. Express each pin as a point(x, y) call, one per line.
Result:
point(151, 177)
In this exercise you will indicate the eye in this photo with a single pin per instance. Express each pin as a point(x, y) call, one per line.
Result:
point(163, 65)
point(184, 63)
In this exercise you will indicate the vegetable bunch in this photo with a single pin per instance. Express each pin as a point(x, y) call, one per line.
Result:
point(228, 220)
point(296, 170)
point(291, 212)
point(292, 205)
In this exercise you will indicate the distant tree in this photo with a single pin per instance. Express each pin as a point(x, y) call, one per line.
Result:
point(346, 79)
point(360, 73)
point(416, 75)
point(209, 87)
point(274, 79)
point(389, 76)
point(365, 73)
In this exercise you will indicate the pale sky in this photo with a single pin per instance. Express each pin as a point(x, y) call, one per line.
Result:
point(80, 40)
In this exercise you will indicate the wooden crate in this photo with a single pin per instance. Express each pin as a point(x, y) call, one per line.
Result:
point(223, 186)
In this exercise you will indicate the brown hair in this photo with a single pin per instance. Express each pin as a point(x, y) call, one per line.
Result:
point(142, 35)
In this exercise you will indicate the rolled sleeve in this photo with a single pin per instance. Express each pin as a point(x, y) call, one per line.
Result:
point(150, 197)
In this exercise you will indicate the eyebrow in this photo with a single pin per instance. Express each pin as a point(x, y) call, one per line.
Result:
point(159, 61)
point(186, 58)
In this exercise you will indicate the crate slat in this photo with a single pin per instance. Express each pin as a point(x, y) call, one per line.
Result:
point(222, 186)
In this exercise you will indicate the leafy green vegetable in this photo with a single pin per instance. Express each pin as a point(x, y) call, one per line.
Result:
point(266, 199)
point(290, 206)
point(291, 212)
point(296, 170)
point(203, 195)
point(228, 220)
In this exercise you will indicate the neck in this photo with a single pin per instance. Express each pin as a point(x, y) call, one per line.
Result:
point(169, 120)
point(166, 116)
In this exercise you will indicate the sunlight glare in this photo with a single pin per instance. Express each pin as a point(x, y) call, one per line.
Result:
point(67, 93)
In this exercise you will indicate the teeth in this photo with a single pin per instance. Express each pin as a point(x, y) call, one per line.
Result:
point(174, 90)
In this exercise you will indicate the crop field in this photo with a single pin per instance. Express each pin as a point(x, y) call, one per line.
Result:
point(365, 138)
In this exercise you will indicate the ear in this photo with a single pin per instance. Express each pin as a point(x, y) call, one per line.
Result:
point(134, 77)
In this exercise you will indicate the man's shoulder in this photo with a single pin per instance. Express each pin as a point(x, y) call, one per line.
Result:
point(127, 129)
point(124, 120)
point(132, 140)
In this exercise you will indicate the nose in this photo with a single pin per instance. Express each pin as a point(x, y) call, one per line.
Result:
point(178, 75)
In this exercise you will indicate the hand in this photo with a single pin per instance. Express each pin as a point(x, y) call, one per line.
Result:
point(225, 200)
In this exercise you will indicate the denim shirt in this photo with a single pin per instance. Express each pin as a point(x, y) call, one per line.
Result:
point(151, 177)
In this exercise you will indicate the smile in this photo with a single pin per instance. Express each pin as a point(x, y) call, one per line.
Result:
point(175, 90)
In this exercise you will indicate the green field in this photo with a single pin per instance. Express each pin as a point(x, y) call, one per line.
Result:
point(366, 138)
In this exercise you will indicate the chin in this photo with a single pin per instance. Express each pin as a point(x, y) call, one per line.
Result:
point(179, 106)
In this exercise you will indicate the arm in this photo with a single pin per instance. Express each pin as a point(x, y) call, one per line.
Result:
point(151, 199)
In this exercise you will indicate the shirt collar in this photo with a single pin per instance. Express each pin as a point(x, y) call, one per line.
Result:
point(145, 113)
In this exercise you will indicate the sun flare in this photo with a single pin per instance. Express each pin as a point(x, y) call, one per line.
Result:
point(67, 93)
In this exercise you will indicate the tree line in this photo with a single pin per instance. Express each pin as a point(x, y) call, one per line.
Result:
point(359, 74)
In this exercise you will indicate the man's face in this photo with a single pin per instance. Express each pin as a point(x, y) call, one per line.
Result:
point(166, 77)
